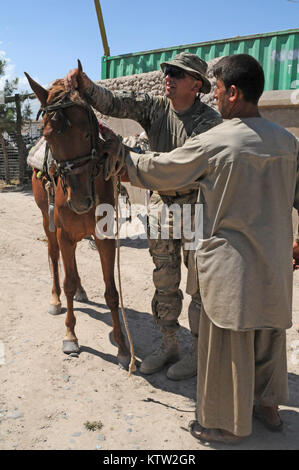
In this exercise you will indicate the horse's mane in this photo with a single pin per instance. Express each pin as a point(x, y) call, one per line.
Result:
point(57, 92)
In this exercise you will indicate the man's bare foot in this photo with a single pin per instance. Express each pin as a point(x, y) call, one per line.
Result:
point(213, 435)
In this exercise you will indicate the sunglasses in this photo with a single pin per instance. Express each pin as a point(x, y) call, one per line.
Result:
point(176, 72)
point(173, 72)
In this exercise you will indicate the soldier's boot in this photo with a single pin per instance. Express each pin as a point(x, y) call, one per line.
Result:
point(186, 367)
point(167, 352)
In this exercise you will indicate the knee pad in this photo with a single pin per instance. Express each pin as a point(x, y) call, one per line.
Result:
point(167, 307)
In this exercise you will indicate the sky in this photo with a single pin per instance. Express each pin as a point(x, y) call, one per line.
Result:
point(45, 38)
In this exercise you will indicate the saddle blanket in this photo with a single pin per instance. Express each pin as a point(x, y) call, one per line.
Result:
point(36, 156)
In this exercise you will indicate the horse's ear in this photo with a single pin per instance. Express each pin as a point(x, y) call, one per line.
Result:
point(80, 78)
point(41, 93)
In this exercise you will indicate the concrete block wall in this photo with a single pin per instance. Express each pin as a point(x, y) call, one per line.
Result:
point(281, 107)
point(151, 82)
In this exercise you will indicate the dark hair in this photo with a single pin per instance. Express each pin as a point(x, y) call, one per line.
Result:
point(243, 71)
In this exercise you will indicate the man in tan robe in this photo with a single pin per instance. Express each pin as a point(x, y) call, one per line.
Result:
point(248, 173)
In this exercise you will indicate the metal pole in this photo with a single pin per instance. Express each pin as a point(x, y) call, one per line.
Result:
point(102, 27)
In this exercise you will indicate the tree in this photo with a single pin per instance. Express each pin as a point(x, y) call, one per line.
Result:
point(6, 124)
point(8, 115)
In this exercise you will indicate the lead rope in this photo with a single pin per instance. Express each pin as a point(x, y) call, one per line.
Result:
point(51, 203)
point(113, 165)
point(132, 366)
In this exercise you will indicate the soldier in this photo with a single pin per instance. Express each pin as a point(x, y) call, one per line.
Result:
point(168, 122)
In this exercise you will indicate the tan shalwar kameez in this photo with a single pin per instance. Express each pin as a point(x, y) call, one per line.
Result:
point(247, 171)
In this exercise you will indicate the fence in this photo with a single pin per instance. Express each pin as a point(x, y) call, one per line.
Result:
point(11, 143)
point(16, 144)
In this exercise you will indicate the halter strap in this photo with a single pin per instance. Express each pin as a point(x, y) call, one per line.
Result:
point(78, 164)
point(70, 166)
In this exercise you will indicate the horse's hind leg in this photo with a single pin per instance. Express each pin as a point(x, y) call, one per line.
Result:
point(67, 248)
point(107, 253)
point(53, 253)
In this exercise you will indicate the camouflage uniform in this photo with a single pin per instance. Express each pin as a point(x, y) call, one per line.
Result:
point(166, 130)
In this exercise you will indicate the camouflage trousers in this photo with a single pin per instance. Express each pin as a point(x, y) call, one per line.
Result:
point(167, 257)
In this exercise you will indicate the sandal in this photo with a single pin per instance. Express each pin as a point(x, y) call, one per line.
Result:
point(269, 416)
point(212, 435)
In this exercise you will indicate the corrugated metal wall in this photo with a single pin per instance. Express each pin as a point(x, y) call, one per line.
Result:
point(277, 52)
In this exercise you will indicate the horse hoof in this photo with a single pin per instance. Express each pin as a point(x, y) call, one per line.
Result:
point(81, 296)
point(54, 309)
point(124, 361)
point(70, 347)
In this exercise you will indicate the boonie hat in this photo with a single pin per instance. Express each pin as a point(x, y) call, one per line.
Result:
point(191, 63)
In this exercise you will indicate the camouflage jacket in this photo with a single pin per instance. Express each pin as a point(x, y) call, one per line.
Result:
point(166, 129)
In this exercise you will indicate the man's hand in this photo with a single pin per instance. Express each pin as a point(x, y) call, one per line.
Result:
point(115, 150)
point(112, 144)
point(124, 177)
point(76, 80)
point(295, 255)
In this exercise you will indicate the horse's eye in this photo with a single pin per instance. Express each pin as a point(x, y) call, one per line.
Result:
point(87, 136)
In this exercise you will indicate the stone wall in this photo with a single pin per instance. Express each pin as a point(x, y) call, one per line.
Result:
point(282, 107)
point(151, 82)
point(274, 105)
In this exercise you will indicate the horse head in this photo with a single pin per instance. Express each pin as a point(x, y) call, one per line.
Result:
point(72, 133)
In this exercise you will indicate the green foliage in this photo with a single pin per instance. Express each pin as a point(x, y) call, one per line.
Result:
point(10, 87)
point(8, 110)
point(26, 112)
point(2, 67)
point(7, 118)
point(93, 425)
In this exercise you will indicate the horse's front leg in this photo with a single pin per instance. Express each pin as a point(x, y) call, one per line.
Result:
point(106, 249)
point(68, 248)
point(41, 199)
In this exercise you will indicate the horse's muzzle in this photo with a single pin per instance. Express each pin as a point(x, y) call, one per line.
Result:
point(81, 207)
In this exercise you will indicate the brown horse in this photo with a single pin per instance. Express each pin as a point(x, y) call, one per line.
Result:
point(72, 134)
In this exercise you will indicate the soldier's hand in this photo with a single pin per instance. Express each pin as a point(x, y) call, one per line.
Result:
point(76, 80)
point(295, 255)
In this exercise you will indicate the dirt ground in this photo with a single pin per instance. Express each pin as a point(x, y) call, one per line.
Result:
point(51, 401)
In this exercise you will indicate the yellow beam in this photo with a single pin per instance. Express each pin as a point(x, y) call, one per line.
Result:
point(102, 27)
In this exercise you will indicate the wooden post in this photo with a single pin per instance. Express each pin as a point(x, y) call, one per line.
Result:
point(5, 156)
point(19, 139)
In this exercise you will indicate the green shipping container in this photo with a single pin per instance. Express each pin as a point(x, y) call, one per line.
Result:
point(277, 52)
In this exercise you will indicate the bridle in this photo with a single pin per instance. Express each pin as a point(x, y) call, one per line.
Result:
point(92, 161)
